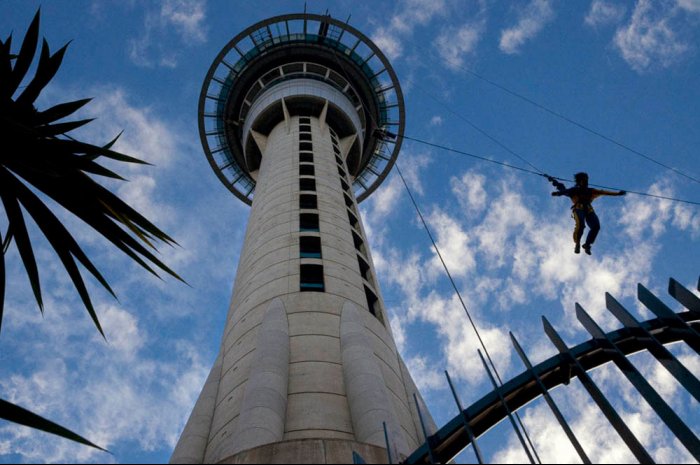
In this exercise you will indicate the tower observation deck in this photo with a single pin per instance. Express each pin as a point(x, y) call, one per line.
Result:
point(293, 118)
point(305, 61)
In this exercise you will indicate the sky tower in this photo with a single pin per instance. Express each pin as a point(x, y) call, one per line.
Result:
point(292, 118)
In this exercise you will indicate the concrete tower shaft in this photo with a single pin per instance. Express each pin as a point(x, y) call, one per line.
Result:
point(308, 370)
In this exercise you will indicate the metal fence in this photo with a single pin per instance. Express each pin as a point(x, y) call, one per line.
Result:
point(537, 381)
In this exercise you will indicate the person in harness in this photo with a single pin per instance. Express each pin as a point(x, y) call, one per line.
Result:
point(582, 197)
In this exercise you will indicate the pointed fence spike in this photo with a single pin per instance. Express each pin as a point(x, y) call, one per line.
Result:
point(550, 402)
point(505, 406)
point(465, 420)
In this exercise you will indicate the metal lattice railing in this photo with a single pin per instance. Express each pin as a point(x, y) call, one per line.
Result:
point(537, 381)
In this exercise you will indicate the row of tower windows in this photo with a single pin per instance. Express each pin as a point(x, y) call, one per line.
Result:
point(310, 274)
point(365, 270)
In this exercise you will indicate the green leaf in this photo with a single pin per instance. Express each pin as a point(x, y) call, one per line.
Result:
point(24, 245)
point(78, 147)
point(46, 70)
point(89, 166)
point(5, 68)
point(26, 54)
point(62, 128)
point(8, 241)
point(113, 141)
point(60, 111)
point(2, 283)
point(21, 416)
point(63, 244)
point(70, 196)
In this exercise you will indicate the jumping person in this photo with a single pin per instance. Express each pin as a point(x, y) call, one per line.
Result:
point(582, 197)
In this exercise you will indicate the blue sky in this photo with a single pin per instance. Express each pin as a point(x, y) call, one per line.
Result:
point(627, 69)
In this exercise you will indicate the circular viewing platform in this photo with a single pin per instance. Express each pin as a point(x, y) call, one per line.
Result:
point(321, 56)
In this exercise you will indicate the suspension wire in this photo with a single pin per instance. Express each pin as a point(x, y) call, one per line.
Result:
point(525, 170)
point(464, 306)
point(568, 120)
point(483, 132)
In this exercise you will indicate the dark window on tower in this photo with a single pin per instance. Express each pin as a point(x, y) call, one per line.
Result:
point(305, 146)
point(308, 201)
point(311, 278)
point(359, 244)
point(372, 301)
point(306, 170)
point(364, 268)
point(339, 160)
point(309, 247)
point(341, 171)
point(308, 222)
point(345, 185)
point(306, 157)
point(348, 200)
point(352, 218)
point(305, 128)
point(336, 150)
point(304, 119)
point(307, 184)
point(305, 136)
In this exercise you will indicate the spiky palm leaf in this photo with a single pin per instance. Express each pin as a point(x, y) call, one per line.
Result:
point(37, 152)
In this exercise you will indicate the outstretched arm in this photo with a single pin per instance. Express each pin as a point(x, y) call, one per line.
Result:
point(599, 192)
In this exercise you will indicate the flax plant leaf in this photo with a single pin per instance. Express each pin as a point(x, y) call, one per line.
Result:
point(40, 161)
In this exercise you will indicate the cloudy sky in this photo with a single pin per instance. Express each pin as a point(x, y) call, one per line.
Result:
point(627, 70)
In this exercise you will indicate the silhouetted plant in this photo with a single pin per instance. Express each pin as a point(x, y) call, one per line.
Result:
point(36, 151)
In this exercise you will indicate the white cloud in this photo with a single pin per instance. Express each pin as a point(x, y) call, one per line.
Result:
point(109, 392)
point(388, 42)
point(436, 120)
point(412, 13)
point(692, 6)
point(412, 167)
point(408, 15)
point(122, 331)
point(145, 135)
point(187, 18)
point(454, 44)
point(603, 12)
point(651, 40)
point(531, 20)
point(384, 199)
point(454, 243)
point(424, 373)
point(507, 216)
point(460, 342)
point(645, 217)
point(470, 192)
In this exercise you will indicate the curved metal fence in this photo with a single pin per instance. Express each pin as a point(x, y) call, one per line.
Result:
point(537, 381)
